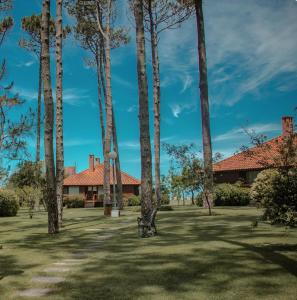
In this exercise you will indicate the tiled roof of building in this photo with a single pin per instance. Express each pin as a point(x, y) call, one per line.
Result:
point(259, 157)
point(93, 178)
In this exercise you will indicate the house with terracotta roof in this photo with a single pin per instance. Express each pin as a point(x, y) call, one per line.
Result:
point(89, 183)
point(246, 165)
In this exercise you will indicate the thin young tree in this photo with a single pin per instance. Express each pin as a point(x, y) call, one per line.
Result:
point(32, 26)
point(59, 110)
point(50, 195)
point(206, 134)
point(145, 144)
point(160, 16)
point(106, 10)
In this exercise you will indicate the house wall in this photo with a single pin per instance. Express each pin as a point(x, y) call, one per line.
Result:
point(71, 190)
point(246, 177)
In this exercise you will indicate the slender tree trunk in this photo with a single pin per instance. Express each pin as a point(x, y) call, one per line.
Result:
point(108, 107)
point(117, 163)
point(157, 97)
point(115, 139)
point(145, 144)
point(192, 194)
point(59, 110)
point(53, 224)
point(38, 130)
point(101, 118)
point(206, 135)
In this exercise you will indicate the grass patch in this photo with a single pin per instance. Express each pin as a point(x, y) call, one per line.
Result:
point(193, 257)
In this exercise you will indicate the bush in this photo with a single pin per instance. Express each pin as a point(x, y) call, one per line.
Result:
point(277, 193)
point(134, 201)
point(262, 190)
point(199, 200)
point(165, 200)
point(9, 205)
point(231, 195)
point(74, 201)
point(30, 197)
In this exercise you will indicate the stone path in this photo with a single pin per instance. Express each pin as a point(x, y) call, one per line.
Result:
point(63, 267)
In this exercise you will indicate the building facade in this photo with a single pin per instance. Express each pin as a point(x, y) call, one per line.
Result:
point(89, 183)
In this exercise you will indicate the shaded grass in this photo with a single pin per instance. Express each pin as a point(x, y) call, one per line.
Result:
point(194, 256)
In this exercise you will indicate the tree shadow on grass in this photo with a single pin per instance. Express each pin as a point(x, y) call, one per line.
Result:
point(10, 267)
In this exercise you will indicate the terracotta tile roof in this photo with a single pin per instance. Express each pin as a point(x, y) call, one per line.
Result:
point(89, 178)
point(254, 159)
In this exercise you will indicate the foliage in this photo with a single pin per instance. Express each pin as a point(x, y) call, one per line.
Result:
point(231, 195)
point(12, 133)
point(261, 190)
point(277, 193)
point(28, 173)
point(134, 201)
point(8, 203)
point(74, 201)
point(31, 197)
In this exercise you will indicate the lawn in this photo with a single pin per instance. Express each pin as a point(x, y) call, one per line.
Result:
point(193, 257)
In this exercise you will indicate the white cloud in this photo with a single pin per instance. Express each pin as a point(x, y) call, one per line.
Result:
point(178, 108)
point(25, 64)
point(187, 82)
point(79, 142)
point(24, 93)
point(75, 96)
point(130, 145)
point(132, 108)
point(239, 133)
point(249, 44)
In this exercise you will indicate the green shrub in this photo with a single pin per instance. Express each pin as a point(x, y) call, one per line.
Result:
point(277, 193)
point(199, 200)
point(165, 200)
point(231, 195)
point(134, 201)
point(262, 191)
point(9, 205)
point(74, 201)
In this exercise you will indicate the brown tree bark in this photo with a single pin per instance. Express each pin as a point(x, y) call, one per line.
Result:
point(108, 106)
point(114, 137)
point(51, 200)
point(206, 134)
point(38, 129)
point(99, 81)
point(59, 110)
point(145, 144)
point(157, 97)
point(119, 185)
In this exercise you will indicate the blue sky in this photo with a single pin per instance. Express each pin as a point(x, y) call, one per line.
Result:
point(252, 64)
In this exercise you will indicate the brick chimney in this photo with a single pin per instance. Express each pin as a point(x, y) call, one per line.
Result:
point(288, 126)
point(97, 161)
point(91, 162)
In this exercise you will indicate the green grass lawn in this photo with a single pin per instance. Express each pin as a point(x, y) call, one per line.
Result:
point(193, 257)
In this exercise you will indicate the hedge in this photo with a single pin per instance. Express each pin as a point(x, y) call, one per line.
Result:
point(231, 195)
point(74, 201)
point(9, 205)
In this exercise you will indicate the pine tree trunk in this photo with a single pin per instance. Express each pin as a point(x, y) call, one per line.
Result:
point(145, 144)
point(38, 129)
point(99, 73)
point(206, 135)
point(115, 140)
point(108, 132)
point(157, 97)
point(117, 164)
point(59, 110)
point(51, 200)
